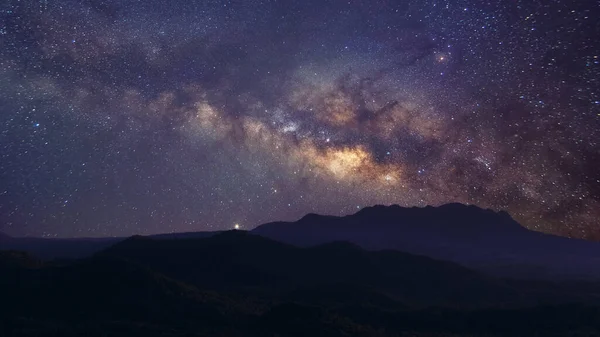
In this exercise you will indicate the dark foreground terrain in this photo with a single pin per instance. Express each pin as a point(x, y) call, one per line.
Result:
point(240, 284)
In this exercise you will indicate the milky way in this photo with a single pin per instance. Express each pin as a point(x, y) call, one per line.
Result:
point(123, 117)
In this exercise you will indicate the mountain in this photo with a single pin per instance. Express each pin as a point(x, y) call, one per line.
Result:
point(240, 284)
point(238, 259)
point(478, 238)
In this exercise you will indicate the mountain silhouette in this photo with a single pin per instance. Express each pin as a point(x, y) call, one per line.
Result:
point(238, 283)
point(478, 238)
point(235, 259)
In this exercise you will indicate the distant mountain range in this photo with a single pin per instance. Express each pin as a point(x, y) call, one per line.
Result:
point(478, 238)
point(75, 248)
point(482, 239)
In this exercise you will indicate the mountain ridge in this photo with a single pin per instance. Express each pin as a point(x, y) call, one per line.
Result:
point(392, 213)
point(234, 259)
point(237, 283)
point(450, 232)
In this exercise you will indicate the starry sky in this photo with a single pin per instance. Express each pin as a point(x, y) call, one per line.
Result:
point(138, 117)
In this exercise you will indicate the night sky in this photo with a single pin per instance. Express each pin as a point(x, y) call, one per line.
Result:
point(139, 117)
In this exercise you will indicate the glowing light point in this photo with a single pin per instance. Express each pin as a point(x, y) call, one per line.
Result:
point(236, 226)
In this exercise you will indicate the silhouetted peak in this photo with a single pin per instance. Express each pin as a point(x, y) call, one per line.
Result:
point(505, 215)
point(310, 216)
point(232, 235)
point(313, 217)
point(238, 232)
point(472, 213)
point(458, 207)
point(452, 211)
point(417, 229)
point(378, 210)
point(372, 208)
